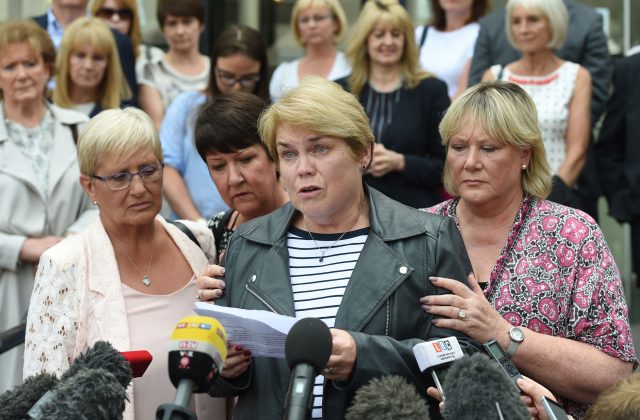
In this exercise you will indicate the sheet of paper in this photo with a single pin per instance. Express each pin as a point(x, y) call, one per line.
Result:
point(262, 332)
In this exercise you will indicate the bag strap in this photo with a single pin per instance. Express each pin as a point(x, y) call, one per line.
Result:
point(423, 37)
point(186, 231)
point(74, 132)
point(500, 73)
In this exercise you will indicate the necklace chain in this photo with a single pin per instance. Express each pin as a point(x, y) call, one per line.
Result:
point(324, 251)
point(145, 277)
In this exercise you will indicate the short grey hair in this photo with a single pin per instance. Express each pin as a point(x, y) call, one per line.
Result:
point(116, 133)
point(553, 10)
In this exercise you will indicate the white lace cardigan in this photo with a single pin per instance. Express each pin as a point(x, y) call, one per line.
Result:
point(77, 298)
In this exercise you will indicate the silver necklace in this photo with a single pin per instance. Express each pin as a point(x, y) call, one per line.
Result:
point(324, 251)
point(145, 277)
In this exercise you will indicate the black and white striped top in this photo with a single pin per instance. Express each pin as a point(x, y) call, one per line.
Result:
point(318, 287)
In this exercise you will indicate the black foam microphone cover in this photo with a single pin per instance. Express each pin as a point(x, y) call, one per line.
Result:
point(388, 398)
point(16, 402)
point(102, 355)
point(90, 394)
point(473, 387)
point(309, 341)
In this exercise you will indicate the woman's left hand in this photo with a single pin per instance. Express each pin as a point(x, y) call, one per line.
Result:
point(385, 161)
point(343, 356)
point(466, 310)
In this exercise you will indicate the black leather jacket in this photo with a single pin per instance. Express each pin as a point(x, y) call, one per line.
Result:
point(380, 308)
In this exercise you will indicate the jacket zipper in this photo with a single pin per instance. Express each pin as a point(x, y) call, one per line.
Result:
point(260, 299)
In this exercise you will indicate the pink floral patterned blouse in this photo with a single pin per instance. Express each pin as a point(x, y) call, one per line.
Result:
point(556, 275)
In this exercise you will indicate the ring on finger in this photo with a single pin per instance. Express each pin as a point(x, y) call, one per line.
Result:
point(328, 370)
point(462, 314)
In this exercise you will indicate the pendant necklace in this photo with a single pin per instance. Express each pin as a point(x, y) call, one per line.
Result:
point(145, 277)
point(324, 251)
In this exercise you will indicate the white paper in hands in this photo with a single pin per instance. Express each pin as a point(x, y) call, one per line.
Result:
point(262, 332)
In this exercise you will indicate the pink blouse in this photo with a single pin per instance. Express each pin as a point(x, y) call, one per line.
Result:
point(555, 275)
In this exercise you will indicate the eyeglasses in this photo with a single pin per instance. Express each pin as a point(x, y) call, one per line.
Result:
point(108, 13)
point(122, 180)
point(247, 82)
point(305, 20)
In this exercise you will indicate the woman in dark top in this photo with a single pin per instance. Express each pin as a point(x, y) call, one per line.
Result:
point(404, 104)
point(227, 140)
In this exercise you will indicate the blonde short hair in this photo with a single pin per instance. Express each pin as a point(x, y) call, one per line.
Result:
point(620, 402)
point(116, 134)
point(386, 12)
point(553, 10)
point(336, 11)
point(506, 113)
point(113, 88)
point(323, 108)
point(18, 31)
point(134, 31)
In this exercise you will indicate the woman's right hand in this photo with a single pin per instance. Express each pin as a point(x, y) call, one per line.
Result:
point(210, 283)
point(33, 248)
point(238, 360)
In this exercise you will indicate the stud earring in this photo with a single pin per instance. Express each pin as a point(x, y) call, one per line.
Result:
point(95, 203)
point(524, 167)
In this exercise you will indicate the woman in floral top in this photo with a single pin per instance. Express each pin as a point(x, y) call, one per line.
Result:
point(545, 284)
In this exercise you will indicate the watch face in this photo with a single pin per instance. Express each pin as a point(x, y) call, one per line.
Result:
point(516, 334)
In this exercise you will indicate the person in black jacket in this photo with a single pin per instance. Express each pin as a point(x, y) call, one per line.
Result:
point(618, 151)
point(60, 15)
point(404, 105)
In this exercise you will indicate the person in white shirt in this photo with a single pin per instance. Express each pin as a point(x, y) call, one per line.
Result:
point(318, 25)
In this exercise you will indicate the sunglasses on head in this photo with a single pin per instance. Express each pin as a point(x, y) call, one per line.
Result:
point(108, 13)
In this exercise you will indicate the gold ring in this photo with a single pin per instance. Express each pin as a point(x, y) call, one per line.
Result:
point(328, 370)
point(461, 314)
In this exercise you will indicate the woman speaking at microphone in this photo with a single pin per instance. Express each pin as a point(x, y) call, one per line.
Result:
point(127, 278)
point(339, 251)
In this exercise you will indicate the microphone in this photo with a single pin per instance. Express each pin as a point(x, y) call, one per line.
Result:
point(15, 402)
point(436, 355)
point(307, 349)
point(388, 397)
point(89, 393)
point(102, 355)
point(197, 354)
point(477, 387)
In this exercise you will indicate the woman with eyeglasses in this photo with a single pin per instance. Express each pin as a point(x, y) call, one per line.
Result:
point(163, 76)
point(129, 276)
point(318, 26)
point(239, 60)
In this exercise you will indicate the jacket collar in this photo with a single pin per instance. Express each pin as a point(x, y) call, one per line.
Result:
point(399, 221)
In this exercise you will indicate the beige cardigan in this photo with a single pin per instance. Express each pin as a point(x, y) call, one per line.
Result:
point(78, 300)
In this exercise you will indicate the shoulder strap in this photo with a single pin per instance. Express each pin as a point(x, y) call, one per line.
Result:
point(500, 73)
point(423, 37)
point(74, 133)
point(186, 231)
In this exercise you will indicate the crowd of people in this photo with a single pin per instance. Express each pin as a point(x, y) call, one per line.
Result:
point(427, 182)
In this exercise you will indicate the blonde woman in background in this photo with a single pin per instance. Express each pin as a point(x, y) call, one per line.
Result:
point(318, 26)
point(122, 16)
point(89, 77)
point(403, 102)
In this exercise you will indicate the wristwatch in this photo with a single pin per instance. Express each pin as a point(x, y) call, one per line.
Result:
point(516, 335)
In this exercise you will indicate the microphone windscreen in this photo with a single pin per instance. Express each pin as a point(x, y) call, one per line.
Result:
point(388, 398)
point(95, 394)
point(309, 341)
point(15, 403)
point(102, 355)
point(474, 385)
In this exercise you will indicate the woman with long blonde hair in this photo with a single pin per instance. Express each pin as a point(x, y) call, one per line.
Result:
point(404, 104)
point(89, 77)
